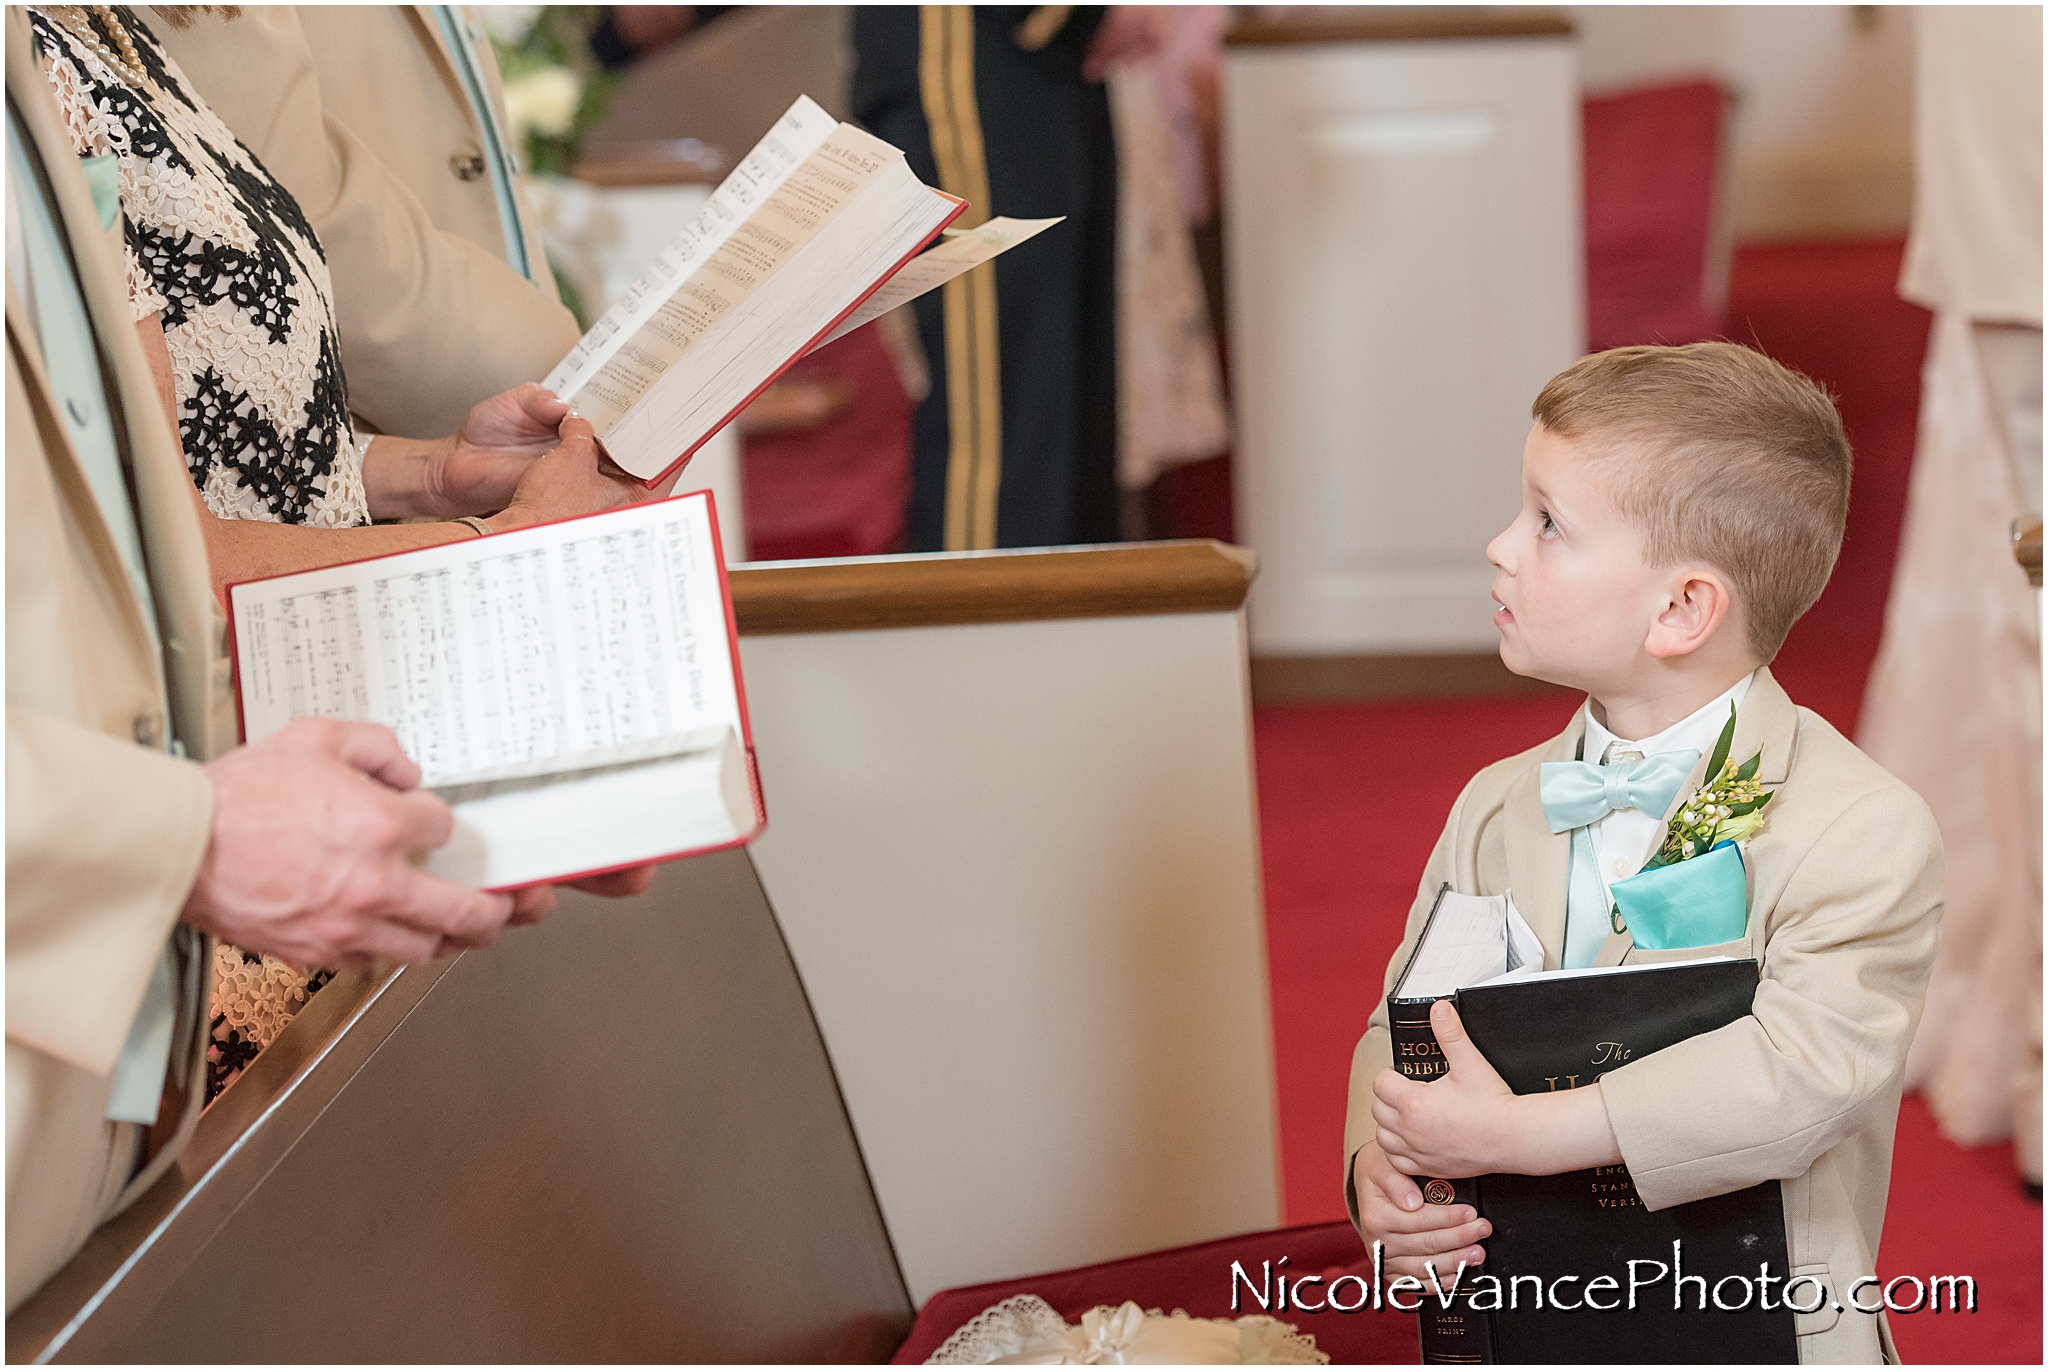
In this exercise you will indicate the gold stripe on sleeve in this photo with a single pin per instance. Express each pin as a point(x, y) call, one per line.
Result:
point(974, 466)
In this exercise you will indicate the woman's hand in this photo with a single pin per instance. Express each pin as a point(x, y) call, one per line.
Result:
point(474, 471)
point(478, 470)
point(566, 482)
point(1129, 33)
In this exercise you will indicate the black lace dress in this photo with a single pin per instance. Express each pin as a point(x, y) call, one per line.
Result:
point(222, 252)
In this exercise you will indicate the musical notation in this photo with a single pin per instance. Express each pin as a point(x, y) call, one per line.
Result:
point(521, 655)
point(311, 661)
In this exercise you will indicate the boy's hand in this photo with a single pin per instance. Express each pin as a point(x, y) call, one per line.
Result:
point(1391, 1212)
point(1468, 1122)
point(1454, 1126)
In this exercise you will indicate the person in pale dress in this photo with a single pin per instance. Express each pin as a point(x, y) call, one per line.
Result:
point(1954, 701)
point(230, 292)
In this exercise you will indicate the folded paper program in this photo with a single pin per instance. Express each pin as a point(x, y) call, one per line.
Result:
point(1695, 903)
point(1025, 1330)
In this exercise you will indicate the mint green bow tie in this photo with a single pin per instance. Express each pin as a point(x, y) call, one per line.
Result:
point(1576, 793)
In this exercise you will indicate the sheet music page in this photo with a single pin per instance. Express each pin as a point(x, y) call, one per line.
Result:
point(772, 231)
point(801, 130)
point(575, 645)
point(961, 252)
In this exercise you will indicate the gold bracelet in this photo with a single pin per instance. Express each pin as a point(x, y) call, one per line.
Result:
point(472, 521)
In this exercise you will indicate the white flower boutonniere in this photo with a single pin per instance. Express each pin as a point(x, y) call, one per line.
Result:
point(1727, 807)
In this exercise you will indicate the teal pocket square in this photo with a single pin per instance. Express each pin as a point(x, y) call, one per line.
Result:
point(1694, 903)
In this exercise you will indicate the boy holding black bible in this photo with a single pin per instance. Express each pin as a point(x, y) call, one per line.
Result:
point(1681, 507)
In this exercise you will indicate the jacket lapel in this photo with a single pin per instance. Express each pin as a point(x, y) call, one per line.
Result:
point(1617, 946)
point(189, 619)
point(1766, 720)
point(1539, 860)
point(425, 20)
point(70, 478)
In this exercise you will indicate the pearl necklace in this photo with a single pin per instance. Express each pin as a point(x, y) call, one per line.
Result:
point(128, 62)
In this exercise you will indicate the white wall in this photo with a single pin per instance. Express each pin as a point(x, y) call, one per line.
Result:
point(1822, 130)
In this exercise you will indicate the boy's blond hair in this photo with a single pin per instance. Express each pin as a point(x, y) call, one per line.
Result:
point(1727, 458)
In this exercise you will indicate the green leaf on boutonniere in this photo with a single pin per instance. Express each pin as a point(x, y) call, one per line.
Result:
point(1727, 807)
point(1721, 746)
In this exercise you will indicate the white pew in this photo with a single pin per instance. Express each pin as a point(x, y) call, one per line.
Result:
point(1012, 844)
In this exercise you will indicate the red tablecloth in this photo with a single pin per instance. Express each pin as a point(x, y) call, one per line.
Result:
point(1198, 1279)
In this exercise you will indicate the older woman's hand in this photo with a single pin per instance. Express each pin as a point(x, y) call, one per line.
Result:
point(477, 470)
point(474, 471)
point(567, 482)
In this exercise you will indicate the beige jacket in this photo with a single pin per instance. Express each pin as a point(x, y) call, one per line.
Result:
point(360, 113)
point(1844, 901)
point(104, 836)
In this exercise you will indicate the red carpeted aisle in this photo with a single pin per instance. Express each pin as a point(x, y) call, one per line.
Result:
point(1352, 796)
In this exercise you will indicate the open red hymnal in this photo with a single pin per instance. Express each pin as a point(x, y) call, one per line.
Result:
point(817, 231)
point(572, 690)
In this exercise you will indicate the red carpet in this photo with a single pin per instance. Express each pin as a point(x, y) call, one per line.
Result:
point(1352, 797)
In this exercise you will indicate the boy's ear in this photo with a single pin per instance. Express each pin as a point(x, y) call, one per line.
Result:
point(1698, 602)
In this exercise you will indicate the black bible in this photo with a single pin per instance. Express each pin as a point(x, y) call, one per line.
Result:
point(1563, 1030)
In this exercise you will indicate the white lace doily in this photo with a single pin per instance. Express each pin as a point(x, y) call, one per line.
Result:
point(1024, 1330)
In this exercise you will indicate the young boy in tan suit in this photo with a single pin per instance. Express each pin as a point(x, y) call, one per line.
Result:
point(1681, 507)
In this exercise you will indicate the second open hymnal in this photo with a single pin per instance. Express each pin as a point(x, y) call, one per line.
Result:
point(808, 237)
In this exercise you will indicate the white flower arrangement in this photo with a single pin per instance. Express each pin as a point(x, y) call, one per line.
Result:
point(508, 24)
point(544, 101)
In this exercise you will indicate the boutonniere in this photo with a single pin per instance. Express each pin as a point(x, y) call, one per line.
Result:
point(1727, 807)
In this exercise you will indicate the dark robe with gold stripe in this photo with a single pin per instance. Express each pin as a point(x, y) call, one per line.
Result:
point(1016, 445)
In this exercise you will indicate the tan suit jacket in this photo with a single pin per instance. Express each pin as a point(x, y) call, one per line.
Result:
point(1844, 903)
point(104, 836)
point(359, 112)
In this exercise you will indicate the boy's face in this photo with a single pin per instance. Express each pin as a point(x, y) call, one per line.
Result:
point(1576, 601)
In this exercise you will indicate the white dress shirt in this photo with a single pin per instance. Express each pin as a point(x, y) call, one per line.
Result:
point(1626, 838)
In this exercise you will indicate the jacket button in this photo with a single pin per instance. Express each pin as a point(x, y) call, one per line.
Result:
point(148, 729)
point(467, 166)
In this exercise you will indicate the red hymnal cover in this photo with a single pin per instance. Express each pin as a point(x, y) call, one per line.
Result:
point(572, 689)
